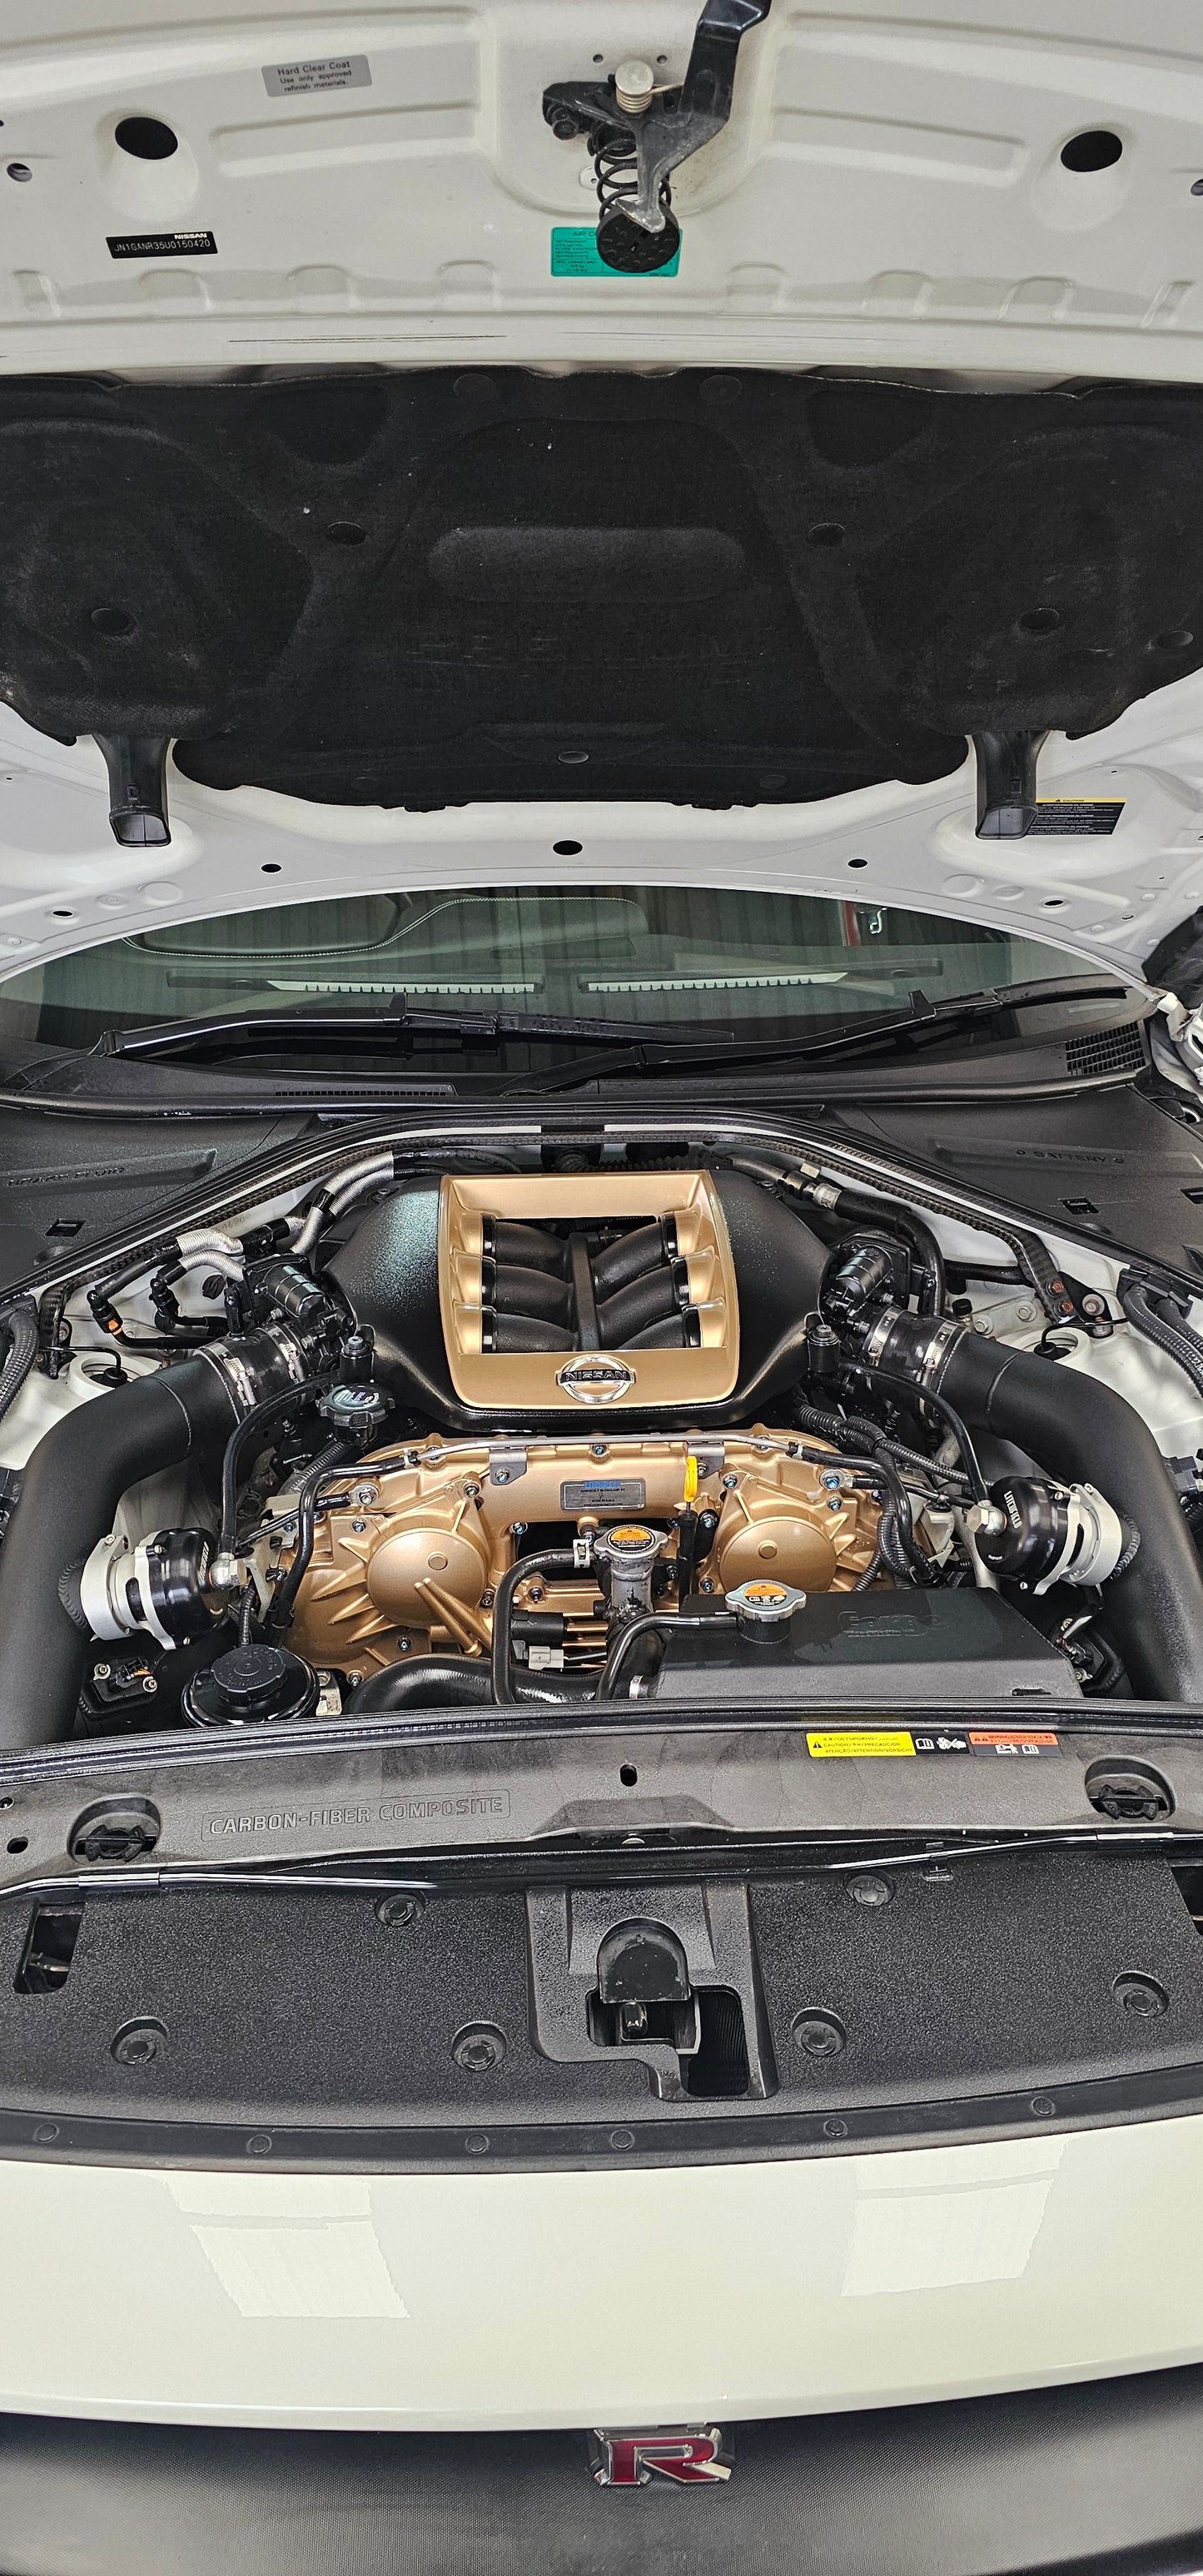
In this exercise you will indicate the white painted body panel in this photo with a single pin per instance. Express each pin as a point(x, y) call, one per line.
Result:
point(889, 190)
point(489, 2300)
point(65, 883)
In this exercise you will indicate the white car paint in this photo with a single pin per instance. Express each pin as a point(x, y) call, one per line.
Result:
point(889, 191)
point(65, 883)
point(489, 2300)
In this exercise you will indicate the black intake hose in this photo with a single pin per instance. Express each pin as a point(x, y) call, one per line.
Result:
point(73, 1484)
point(430, 1681)
point(1087, 1434)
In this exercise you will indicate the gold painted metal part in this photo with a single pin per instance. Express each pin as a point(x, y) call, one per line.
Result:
point(529, 1381)
point(421, 1561)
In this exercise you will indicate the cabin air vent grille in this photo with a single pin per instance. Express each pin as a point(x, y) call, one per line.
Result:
point(1109, 1051)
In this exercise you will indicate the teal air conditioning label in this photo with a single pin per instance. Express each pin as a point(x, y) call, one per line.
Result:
point(574, 254)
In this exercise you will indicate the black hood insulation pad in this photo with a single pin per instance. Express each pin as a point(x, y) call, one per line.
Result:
point(436, 588)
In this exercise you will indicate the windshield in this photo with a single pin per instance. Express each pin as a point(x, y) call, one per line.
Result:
point(695, 961)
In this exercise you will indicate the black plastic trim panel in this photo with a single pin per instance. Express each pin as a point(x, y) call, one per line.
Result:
point(1100, 2480)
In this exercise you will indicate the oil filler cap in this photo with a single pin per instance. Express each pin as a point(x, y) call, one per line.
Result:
point(251, 1686)
point(765, 1604)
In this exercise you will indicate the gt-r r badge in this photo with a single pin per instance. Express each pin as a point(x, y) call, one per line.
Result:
point(688, 2455)
point(597, 1379)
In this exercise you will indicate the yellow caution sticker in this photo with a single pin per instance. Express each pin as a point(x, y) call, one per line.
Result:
point(849, 1745)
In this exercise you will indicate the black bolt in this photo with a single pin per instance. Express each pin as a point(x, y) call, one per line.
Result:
point(835, 2128)
point(870, 1891)
point(479, 2047)
point(398, 1912)
point(137, 2042)
point(477, 2145)
point(1141, 1996)
point(622, 2139)
point(819, 2033)
point(1043, 2105)
point(563, 128)
point(259, 2144)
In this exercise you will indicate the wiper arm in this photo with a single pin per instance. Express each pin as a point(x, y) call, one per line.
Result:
point(378, 1030)
point(840, 1038)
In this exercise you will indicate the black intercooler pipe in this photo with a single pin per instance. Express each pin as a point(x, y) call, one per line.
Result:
point(1087, 1434)
point(72, 1486)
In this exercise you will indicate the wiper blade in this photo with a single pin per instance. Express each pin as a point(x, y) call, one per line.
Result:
point(644, 1047)
point(396, 1026)
point(841, 1038)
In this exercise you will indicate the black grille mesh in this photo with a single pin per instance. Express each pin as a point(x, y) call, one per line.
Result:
point(1108, 1051)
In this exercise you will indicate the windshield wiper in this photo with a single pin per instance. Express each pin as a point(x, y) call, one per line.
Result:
point(643, 1047)
point(842, 1038)
point(396, 1026)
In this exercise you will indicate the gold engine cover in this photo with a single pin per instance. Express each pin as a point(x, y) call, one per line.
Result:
point(408, 1557)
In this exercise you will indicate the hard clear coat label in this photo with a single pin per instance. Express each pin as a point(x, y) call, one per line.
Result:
point(334, 71)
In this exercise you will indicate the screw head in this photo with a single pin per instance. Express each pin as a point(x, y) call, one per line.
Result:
point(1140, 1996)
point(1043, 2106)
point(835, 2128)
point(870, 1890)
point(137, 2043)
point(398, 1912)
point(821, 2034)
point(479, 2047)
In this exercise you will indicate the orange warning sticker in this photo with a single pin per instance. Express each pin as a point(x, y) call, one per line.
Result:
point(1013, 1740)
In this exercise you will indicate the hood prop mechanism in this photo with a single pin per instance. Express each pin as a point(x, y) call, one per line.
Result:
point(638, 134)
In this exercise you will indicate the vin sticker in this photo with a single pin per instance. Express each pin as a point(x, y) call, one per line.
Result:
point(604, 1494)
point(336, 71)
point(1079, 818)
point(849, 1746)
point(161, 245)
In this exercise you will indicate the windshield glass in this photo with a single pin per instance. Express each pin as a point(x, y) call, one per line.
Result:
point(696, 961)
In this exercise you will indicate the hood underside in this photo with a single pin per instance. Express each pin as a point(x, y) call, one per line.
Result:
point(432, 589)
point(334, 456)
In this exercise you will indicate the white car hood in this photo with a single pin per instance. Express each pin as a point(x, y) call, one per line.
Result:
point(369, 190)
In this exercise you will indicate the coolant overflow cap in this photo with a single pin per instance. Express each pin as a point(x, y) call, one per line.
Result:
point(763, 1603)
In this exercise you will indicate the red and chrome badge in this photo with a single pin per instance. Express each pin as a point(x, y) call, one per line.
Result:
point(687, 2455)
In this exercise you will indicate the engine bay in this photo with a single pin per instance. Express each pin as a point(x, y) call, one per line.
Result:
point(445, 1428)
